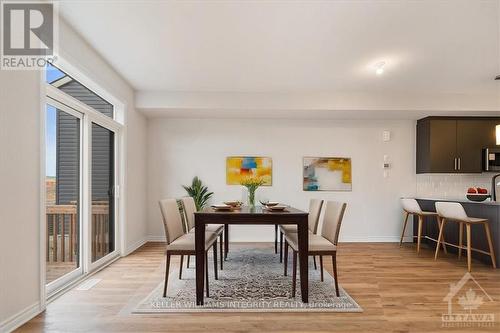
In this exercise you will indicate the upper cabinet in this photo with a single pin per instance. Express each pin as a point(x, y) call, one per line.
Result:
point(453, 144)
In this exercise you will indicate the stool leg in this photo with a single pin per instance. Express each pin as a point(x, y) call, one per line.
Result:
point(460, 239)
point(419, 237)
point(404, 228)
point(444, 241)
point(469, 264)
point(443, 222)
point(490, 244)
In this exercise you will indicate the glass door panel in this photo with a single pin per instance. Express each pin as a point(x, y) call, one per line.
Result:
point(102, 192)
point(62, 188)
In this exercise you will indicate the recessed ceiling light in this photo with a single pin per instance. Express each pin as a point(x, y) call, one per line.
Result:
point(379, 67)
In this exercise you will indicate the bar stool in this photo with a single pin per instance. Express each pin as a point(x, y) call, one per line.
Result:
point(455, 212)
point(411, 207)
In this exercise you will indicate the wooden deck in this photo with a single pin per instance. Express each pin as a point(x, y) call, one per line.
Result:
point(398, 290)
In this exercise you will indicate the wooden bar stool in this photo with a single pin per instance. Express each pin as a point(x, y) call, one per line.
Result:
point(411, 207)
point(455, 212)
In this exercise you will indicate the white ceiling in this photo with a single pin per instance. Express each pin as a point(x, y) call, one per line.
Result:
point(431, 48)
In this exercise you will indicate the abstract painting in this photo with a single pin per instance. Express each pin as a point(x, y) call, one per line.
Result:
point(327, 174)
point(241, 167)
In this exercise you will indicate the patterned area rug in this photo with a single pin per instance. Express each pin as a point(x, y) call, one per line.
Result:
point(252, 280)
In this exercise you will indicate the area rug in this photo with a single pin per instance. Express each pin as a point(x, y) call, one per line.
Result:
point(252, 280)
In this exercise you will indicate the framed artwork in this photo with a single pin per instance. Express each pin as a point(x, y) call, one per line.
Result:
point(240, 167)
point(327, 174)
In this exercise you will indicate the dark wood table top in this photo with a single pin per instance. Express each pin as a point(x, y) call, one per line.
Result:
point(257, 210)
point(251, 215)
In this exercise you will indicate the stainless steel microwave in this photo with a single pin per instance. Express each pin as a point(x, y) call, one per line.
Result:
point(491, 159)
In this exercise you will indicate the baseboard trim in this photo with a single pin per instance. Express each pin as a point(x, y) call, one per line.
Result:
point(369, 239)
point(20, 318)
point(135, 246)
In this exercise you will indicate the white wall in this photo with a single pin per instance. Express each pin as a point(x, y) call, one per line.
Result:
point(19, 194)
point(20, 114)
point(179, 149)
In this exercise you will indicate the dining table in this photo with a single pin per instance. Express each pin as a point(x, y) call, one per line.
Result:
point(245, 215)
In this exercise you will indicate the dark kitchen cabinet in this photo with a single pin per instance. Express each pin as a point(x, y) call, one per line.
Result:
point(453, 144)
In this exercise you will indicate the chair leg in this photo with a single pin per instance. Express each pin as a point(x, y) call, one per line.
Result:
point(321, 267)
point(404, 228)
point(206, 273)
point(275, 238)
point(294, 272)
point(335, 275)
point(490, 244)
point(419, 237)
point(286, 257)
point(214, 247)
point(314, 262)
point(281, 246)
point(443, 222)
point(180, 267)
point(221, 248)
point(187, 261)
point(460, 239)
point(469, 262)
point(167, 267)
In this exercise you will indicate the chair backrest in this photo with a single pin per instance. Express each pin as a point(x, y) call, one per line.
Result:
point(172, 221)
point(189, 210)
point(411, 206)
point(451, 210)
point(332, 220)
point(314, 213)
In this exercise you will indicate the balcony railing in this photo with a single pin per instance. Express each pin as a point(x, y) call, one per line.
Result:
point(63, 232)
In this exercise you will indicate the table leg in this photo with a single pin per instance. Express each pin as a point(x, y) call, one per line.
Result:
point(226, 240)
point(200, 259)
point(303, 256)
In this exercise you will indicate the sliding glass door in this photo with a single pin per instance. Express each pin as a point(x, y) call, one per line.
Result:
point(62, 194)
point(103, 193)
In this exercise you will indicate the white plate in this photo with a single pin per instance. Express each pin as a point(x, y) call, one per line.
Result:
point(221, 207)
point(277, 207)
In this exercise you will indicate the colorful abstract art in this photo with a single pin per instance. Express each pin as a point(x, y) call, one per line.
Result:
point(240, 167)
point(327, 174)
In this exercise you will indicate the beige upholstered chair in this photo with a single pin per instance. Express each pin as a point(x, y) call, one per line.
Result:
point(181, 243)
point(455, 212)
point(411, 207)
point(313, 217)
point(218, 229)
point(324, 244)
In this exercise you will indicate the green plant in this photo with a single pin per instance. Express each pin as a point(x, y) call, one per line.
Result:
point(252, 184)
point(198, 192)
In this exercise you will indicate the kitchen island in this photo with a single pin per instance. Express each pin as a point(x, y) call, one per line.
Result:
point(488, 209)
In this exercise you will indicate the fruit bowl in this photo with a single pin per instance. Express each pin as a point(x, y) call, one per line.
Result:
point(477, 197)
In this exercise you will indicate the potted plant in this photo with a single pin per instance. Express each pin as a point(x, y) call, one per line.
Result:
point(252, 184)
point(199, 193)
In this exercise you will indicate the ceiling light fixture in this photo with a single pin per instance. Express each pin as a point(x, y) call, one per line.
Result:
point(379, 68)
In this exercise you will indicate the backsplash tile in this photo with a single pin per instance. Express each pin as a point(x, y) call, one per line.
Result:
point(450, 186)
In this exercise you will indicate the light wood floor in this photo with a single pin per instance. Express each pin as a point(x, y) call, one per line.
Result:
point(398, 290)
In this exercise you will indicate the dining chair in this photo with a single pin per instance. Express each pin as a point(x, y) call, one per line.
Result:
point(181, 243)
point(313, 220)
point(218, 229)
point(324, 244)
point(411, 207)
point(455, 212)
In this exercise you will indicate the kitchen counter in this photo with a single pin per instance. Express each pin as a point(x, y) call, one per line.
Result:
point(487, 209)
point(464, 201)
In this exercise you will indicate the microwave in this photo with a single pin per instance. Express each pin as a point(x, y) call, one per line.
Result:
point(491, 159)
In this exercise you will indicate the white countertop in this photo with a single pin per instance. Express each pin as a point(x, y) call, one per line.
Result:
point(462, 200)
